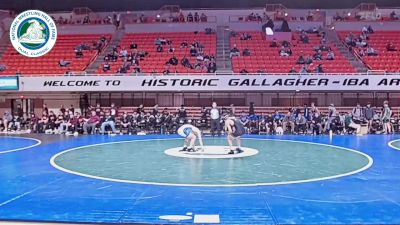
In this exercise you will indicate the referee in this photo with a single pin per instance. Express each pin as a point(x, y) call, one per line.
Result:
point(215, 117)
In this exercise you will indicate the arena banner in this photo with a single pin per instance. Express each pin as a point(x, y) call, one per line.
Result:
point(212, 83)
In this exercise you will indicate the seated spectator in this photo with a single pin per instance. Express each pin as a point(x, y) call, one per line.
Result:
point(184, 44)
point(274, 43)
point(209, 31)
point(78, 53)
point(292, 70)
point(203, 17)
point(301, 59)
point(361, 52)
point(171, 49)
point(106, 67)
point(211, 67)
point(304, 38)
point(286, 44)
point(285, 52)
point(246, 52)
point(189, 17)
point(245, 37)
point(186, 63)
point(361, 43)
point(2, 67)
point(196, 17)
point(160, 48)
point(371, 51)
point(394, 16)
point(304, 70)
point(193, 51)
point(308, 60)
point(319, 69)
point(243, 71)
point(200, 57)
point(391, 47)
point(133, 46)
point(234, 51)
point(370, 30)
point(90, 124)
point(64, 63)
point(330, 55)
point(318, 55)
point(173, 61)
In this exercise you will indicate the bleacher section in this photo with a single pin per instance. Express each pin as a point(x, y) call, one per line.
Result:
point(49, 64)
point(266, 58)
point(388, 61)
point(195, 112)
point(155, 62)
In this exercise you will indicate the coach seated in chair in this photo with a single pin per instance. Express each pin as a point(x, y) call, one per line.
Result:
point(90, 124)
point(351, 125)
point(108, 122)
point(301, 124)
point(316, 124)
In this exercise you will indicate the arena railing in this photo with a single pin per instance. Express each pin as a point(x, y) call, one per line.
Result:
point(83, 73)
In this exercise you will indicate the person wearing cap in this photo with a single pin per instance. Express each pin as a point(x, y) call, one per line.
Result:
point(190, 133)
point(235, 130)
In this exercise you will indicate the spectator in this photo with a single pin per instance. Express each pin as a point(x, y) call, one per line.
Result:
point(390, 47)
point(246, 52)
point(78, 53)
point(189, 17)
point(304, 70)
point(2, 67)
point(274, 43)
point(212, 67)
point(234, 51)
point(203, 17)
point(304, 38)
point(173, 61)
point(91, 123)
point(318, 55)
point(319, 69)
point(285, 52)
point(193, 51)
point(184, 44)
point(186, 63)
point(133, 45)
point(301, 59)
point(245, 37)
point(394, 16)
point(330, 55)
point(196, 17)
point(106, 67)
point(292, 70)
point(371, 51)
point(64, 63)
point(244, 72)
point(160, 48)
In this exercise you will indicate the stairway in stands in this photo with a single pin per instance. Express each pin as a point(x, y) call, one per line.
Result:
point(333, 37)
point(224, 63)
point(115, 40)
point(4, 43)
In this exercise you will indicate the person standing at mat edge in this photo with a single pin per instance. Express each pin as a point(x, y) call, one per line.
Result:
point(190, 133)
point(235, 130)
point(215, 122)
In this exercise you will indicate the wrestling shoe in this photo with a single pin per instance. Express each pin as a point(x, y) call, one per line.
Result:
point(231, 152)
point(184, 149)
point(238, 150)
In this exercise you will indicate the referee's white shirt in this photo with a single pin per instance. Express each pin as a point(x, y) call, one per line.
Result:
point(214, 114)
